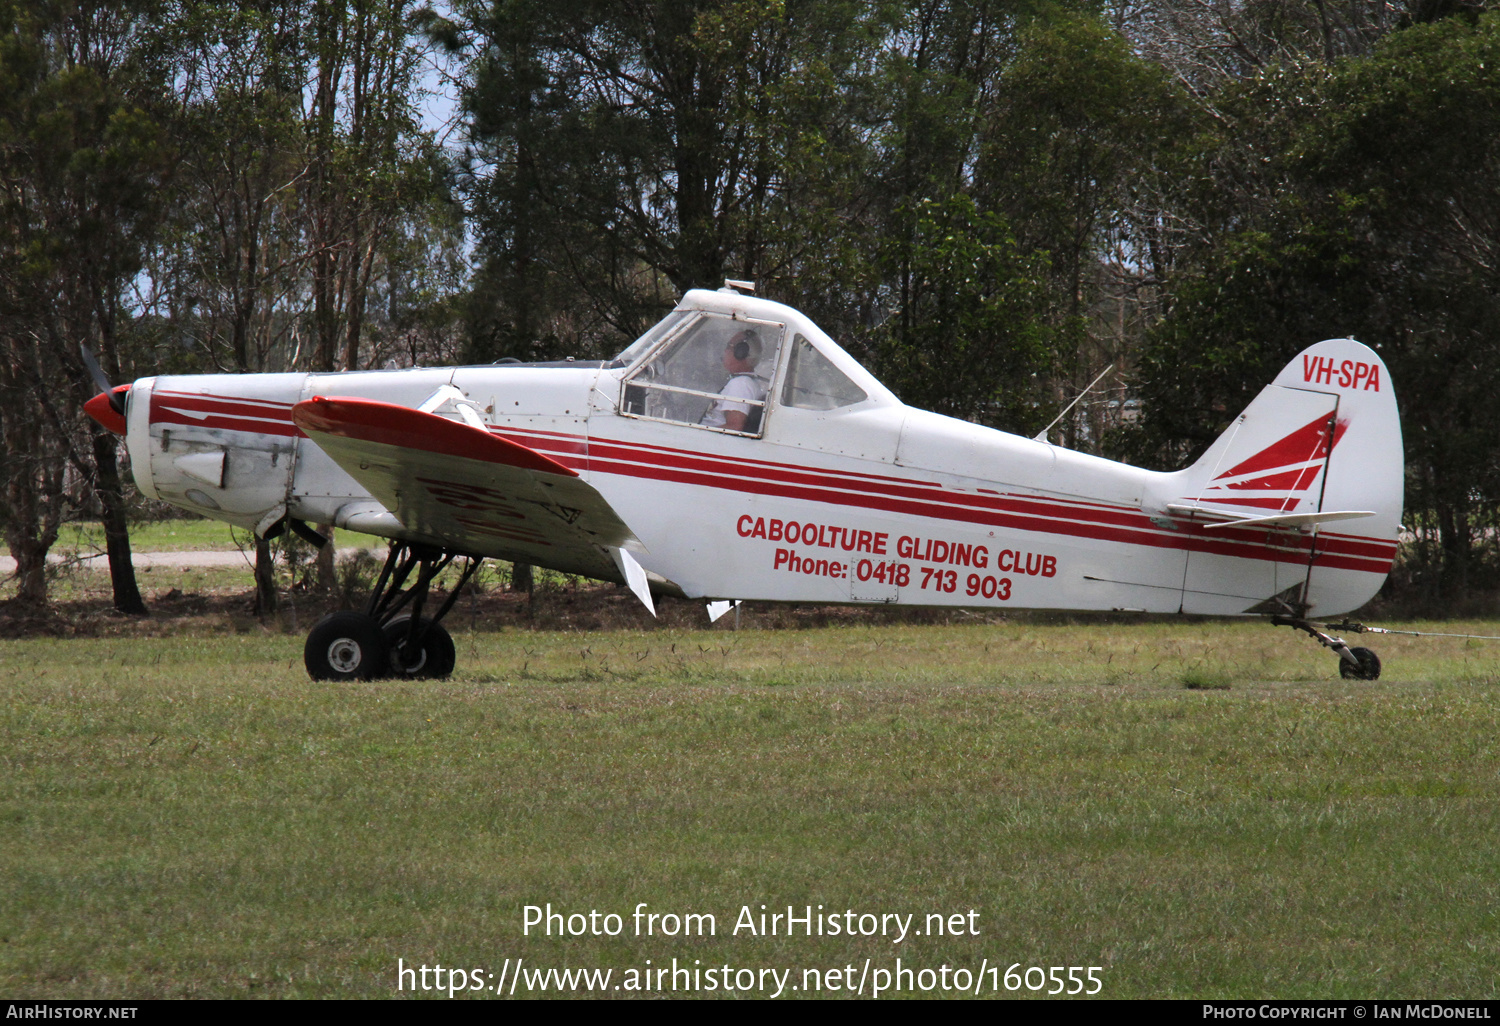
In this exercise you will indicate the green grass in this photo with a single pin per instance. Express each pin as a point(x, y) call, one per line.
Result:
point(193, 534)
point(73, 583)
point(76, 585)
point(192, 817)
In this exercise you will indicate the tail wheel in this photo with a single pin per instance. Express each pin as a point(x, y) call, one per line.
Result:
point(345, 646)
point(1368, 668)
point(435, 656)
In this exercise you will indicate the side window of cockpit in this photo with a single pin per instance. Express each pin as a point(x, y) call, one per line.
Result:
point(814, 383)
point(716, 374)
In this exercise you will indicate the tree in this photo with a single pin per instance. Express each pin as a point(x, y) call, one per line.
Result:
point(1207, 45)
point(625, 153)
point(969, 340)
point(941, 259)
point(372, 168)
point(84, 164)
point(238, 269)
point(1074, 147)
point(312, 200)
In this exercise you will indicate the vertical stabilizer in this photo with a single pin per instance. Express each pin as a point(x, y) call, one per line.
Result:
point(1312, 472)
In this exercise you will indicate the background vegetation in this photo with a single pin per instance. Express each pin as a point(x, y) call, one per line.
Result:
point(988, 201)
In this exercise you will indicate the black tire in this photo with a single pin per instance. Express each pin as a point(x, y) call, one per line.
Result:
point(1368, 668)
point(436, 659)
point(345, 646)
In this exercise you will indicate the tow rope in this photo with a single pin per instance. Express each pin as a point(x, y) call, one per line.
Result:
point(1359, 628)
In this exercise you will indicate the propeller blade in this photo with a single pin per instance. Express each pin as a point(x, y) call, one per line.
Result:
point(116, 397)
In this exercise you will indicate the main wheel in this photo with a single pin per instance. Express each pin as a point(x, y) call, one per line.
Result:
point(436, 657)
point(1368, 668)
point(345, 646)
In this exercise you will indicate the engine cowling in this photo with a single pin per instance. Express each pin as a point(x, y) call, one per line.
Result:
point(229, 457)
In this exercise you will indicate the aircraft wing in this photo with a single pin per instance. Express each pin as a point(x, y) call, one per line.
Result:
point(467, 489)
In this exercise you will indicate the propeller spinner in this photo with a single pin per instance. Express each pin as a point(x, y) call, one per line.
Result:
point(108, 407)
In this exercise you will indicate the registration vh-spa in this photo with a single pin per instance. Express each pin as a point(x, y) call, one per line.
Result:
point(736, 452)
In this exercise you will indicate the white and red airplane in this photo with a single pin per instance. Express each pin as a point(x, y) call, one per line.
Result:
point(736, 452)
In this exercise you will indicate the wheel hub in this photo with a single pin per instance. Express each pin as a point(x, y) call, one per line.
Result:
point(399, 656)
point(345, 655)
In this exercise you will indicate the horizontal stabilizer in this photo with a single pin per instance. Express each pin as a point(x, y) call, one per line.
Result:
point(1234, 518)
point(1178, 509)
point(1297, 520)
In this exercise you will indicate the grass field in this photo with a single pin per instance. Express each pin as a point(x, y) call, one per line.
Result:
point(70, 582)
point(1202, 810)
point(193, 534)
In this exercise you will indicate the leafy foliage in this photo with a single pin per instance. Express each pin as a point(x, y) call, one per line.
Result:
point(631, 152)
point(1367, 209)
point(968, 337)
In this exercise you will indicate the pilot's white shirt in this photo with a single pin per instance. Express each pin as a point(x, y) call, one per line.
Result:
point(741, 386)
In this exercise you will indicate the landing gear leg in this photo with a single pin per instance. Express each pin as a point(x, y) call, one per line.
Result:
point(1354, 663)
point(387, 639)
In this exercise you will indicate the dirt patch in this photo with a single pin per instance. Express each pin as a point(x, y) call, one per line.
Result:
point(25, 621)
point(582, 607)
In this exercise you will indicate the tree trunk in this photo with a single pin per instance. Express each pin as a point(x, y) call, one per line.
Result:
point(127, 595)
point(27, 549)
point(1454, 536)
point(33, 501)
point(522, 579)
point(327, 575)
point(265, 578)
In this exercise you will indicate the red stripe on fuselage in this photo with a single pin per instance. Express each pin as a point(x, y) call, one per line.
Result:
point(258, 416)
point(1029, 513)
point(724, 472)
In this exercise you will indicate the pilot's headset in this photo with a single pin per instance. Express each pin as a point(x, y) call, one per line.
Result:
point(746, 346)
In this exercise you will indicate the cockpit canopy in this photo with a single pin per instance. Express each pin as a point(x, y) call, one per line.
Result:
point(725, 362)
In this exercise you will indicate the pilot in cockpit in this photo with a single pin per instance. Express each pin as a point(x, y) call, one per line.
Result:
point(735, 412)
